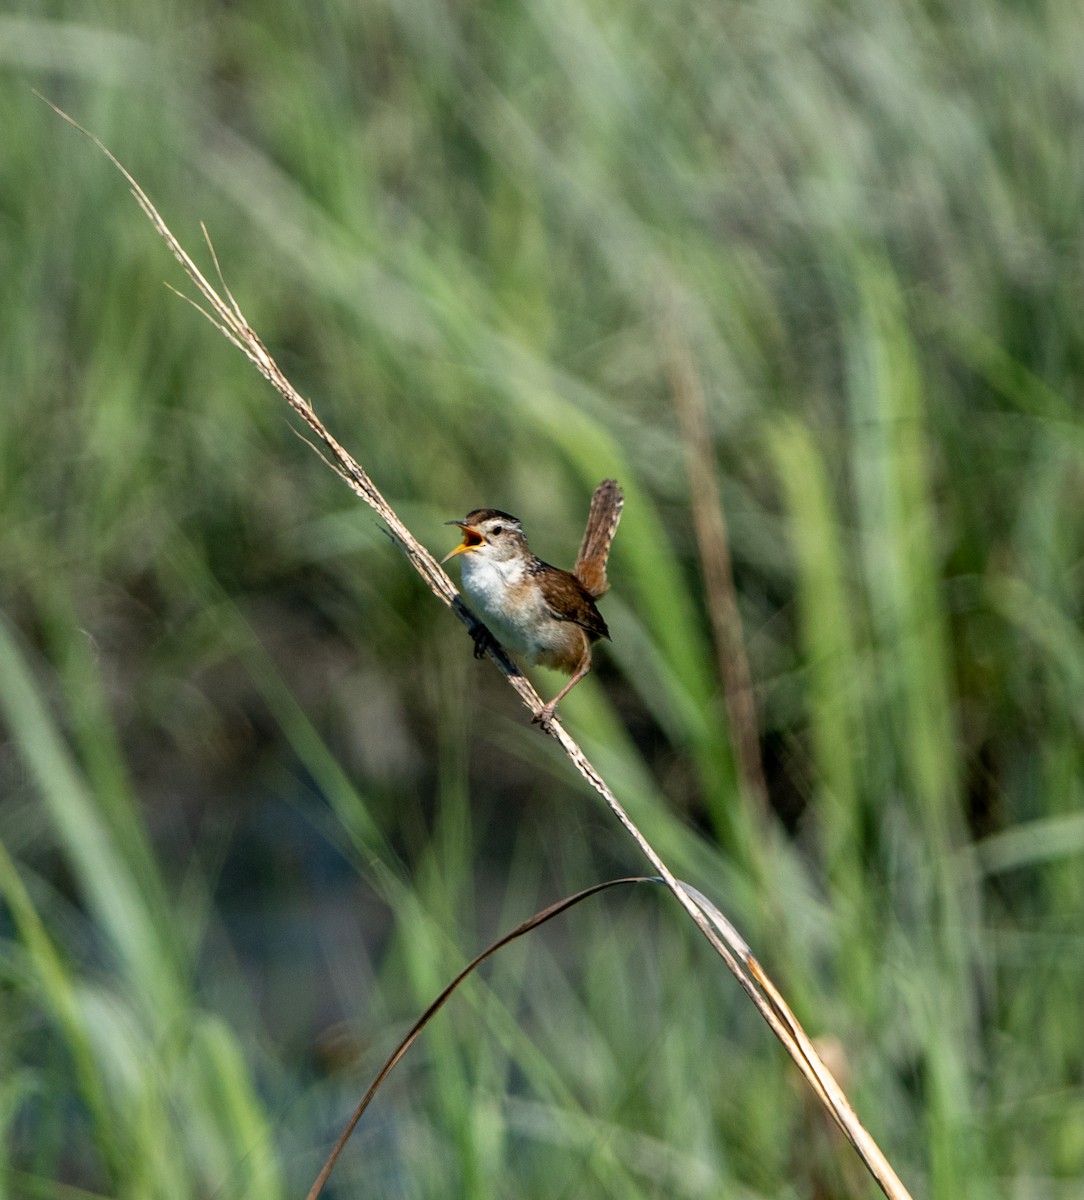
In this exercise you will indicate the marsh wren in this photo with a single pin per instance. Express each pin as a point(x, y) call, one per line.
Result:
point(543, 614)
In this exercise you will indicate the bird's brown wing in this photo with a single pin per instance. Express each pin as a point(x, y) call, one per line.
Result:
point(590, 568)
point(568, 600)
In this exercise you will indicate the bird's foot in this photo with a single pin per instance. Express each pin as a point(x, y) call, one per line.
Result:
point(484, 641)
point(544, 718)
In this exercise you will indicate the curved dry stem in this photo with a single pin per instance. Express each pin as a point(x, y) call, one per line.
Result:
point(539, 918)
point(228, 318)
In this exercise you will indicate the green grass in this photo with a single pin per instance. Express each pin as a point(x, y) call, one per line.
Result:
point(258, 803)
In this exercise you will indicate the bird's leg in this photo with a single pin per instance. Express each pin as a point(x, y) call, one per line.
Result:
point(544, 717)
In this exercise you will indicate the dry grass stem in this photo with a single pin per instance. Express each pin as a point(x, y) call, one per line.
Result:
point(229, 319)
point(412, 1035)
point(713, 546)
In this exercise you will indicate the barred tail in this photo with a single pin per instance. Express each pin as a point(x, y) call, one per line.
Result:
point(590, 568)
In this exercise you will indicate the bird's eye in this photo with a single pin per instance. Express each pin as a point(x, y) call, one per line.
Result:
point(497, 530)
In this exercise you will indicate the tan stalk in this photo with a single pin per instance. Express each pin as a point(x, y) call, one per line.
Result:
point(713, 546)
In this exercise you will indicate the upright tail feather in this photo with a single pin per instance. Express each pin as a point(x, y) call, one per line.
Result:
point(590, 568)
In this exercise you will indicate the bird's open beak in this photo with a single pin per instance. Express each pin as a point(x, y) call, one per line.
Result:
point(472, 539)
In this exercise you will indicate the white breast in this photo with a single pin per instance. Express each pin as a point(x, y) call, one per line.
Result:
point(488, 584)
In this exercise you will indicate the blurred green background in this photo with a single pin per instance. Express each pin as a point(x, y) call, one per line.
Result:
point(257, 801)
